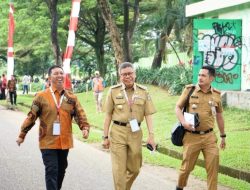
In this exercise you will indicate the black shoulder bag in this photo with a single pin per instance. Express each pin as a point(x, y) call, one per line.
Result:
point(178, 130)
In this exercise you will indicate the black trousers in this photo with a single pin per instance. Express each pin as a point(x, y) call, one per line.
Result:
point(55, 162)
point(13, 97)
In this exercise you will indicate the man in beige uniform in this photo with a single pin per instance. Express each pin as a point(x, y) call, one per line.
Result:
point(206, 101)
point(126, 105)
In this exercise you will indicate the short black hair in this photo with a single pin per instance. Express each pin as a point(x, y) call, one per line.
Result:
point(211, 70)
point(125, 65)
point(52, 67)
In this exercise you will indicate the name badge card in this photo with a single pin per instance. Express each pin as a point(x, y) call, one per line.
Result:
point(134, 125)
point(56, 128)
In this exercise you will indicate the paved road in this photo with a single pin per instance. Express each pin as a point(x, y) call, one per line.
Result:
point(21, 168)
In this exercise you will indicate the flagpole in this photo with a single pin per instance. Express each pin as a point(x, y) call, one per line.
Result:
point(71, 42)
point(10, 51)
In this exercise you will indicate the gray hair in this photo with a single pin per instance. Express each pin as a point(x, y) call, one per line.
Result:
point(125, 65)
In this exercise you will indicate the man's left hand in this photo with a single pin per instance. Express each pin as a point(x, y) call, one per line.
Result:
point(151, 140)
point(223, 143)
point(85, 133)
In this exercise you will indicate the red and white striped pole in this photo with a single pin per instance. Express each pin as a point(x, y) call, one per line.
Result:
point(10, 52)
point(71, 42)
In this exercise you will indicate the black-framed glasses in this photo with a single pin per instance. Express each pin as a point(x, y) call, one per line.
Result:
point(127, 74)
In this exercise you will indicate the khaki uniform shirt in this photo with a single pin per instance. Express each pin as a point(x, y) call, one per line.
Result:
point(202, 103)
point(118, 106)
point(44, 107)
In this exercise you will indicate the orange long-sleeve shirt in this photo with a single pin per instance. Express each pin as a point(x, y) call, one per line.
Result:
point(44, 108)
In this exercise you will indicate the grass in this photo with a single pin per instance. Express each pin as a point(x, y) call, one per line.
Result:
point(237, 125)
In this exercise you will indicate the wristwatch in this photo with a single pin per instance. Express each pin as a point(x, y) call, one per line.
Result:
point(105, 137)
point(223, 136)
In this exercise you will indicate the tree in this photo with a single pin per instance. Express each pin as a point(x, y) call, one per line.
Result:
point(129, 27)
point(92, 31)
point(113, 31)
point(52, 5)
point(174, 16)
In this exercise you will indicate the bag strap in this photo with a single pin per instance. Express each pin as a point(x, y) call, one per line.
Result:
point(187, 101)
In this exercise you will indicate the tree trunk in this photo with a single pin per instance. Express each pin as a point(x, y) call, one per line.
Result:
point(129, 28)
point(52, 5)
point(99, 44)
point(126, 39)
point(160, 49)
point(113, 31)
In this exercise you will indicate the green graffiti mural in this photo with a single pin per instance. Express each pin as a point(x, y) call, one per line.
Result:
point(218, 42)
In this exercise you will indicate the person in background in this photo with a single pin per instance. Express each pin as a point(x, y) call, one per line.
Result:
point(98, 87)
point(3, 86)
point(11, 86)
point(126, 106)
point(206, 101)
point(26, 82)
point(55, 107)
point(46, 84)
point(0, 87)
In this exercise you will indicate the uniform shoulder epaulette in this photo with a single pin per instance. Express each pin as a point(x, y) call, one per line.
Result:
point(190, 85)
point(142, 87)
point(217, 91)
point(116, 86)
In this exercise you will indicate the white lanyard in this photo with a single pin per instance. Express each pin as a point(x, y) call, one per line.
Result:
point(58, 105)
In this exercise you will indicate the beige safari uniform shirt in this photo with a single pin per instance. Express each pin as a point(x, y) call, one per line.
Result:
point(117, 104)
point(202, 103)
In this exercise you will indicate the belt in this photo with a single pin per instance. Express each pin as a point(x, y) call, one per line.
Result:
point(122, 123)
point(201, 132)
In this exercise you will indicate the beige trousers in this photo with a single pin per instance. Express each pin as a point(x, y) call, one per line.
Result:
point(126, 156)
point(193, 145)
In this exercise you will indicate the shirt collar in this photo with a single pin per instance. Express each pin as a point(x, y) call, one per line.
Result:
point(199, 88)
point(124, 87)
point(55, 90)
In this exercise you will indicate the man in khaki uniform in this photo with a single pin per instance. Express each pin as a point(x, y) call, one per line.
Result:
point(206, 101)
point(126, 105)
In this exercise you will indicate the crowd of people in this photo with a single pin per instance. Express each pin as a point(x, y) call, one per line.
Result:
point(127, 105)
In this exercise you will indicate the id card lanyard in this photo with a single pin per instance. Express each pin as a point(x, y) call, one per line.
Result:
point(132, 121)
point(130, 102)
point(58, 104)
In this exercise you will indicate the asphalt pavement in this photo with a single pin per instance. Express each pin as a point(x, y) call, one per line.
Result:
point(21, 168)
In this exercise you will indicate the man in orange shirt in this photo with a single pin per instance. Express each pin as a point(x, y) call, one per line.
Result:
point(55, 107)
point(98, 87)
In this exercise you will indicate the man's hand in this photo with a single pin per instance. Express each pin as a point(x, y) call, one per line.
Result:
point(223, 144)
point(151, 140)
point(19, 141)
point(188, 126)
point(106, 144)
point(85, 133)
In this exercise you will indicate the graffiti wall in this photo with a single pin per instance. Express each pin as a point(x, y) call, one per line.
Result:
point(218, 42)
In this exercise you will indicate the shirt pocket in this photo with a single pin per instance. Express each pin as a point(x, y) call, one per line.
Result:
point(119, 104)
point(139, 105)
point(194, 104)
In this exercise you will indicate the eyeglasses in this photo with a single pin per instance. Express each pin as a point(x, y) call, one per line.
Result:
point(127, 74)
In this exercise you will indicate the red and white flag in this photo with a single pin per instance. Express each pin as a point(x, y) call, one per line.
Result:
point(10, 52)
point(71, 42)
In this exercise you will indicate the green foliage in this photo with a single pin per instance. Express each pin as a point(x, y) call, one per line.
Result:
point(171, 78)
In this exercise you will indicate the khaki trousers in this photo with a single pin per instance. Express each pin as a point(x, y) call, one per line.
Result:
point(193, 144)
point(126, 156)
